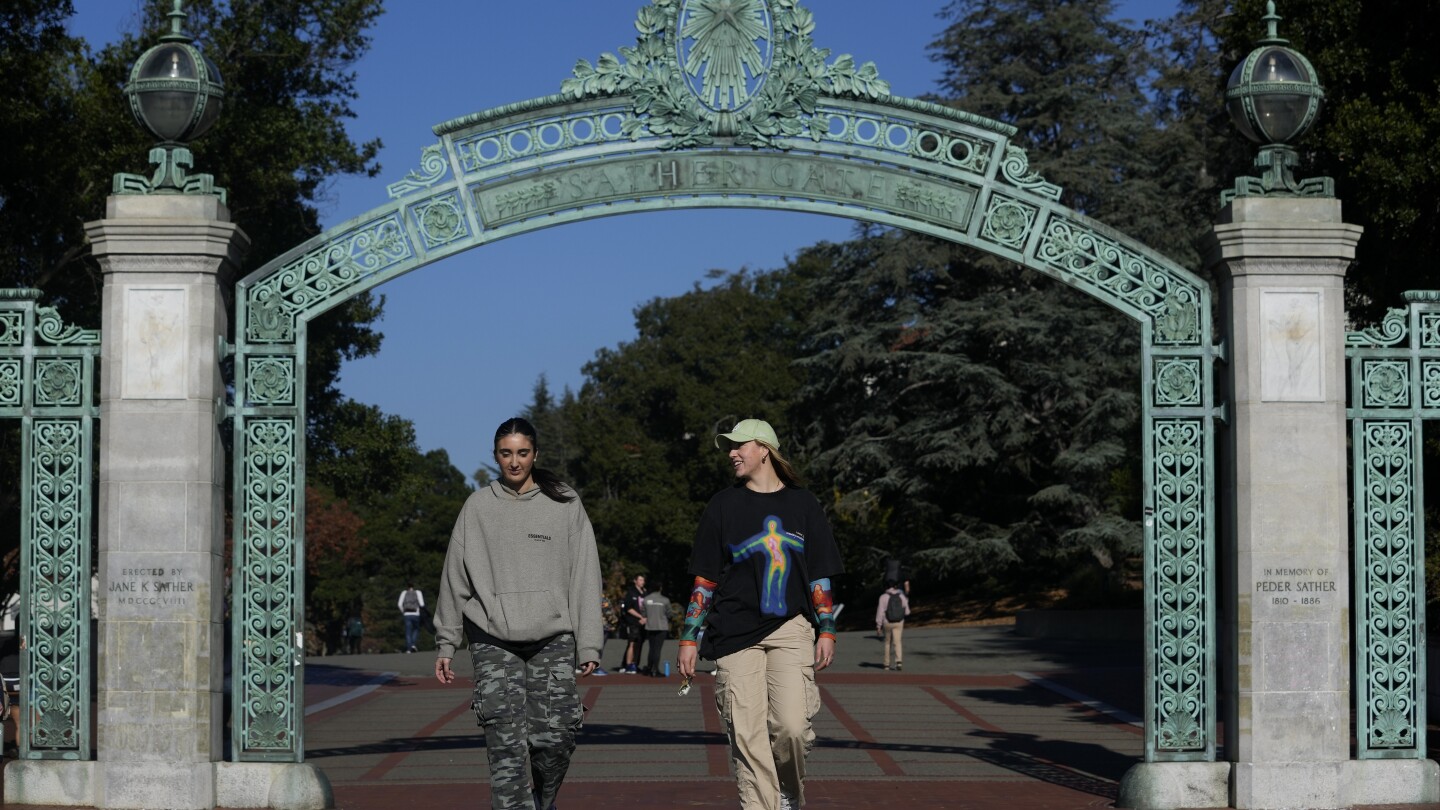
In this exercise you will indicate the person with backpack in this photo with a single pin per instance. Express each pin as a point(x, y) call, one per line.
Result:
point(411, 602)
point(890, 621)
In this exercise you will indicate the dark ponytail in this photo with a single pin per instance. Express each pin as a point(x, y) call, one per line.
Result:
point(550, 483)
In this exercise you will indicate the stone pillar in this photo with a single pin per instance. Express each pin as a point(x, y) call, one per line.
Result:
point(1286, 603)
point(166, 261)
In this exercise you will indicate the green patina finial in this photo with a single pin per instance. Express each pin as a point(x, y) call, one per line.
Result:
point(1272, 26)
point(1273, 97)
point(175, 93)
point(177, 25)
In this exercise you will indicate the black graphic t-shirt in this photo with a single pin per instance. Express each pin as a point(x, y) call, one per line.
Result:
point(764, 550)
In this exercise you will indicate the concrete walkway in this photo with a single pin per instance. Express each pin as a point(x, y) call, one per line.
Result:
point(979, 718)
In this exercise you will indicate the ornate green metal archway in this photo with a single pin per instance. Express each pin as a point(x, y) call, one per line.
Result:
point(725, 103)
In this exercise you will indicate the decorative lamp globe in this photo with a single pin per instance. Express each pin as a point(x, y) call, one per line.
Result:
point(1273, 96)
point(175, 92)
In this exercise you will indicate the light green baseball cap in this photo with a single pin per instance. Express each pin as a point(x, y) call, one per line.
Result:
point(751, 430)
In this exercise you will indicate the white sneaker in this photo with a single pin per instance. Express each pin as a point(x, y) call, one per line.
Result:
point(788, 803)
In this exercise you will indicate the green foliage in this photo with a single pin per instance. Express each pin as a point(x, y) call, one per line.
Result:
point(404, 503)
point(406, 538)
point(1193, 148)
point(557, 451)
point(46, 188)
point(1066, 76)
point(643, 423)
point(971, 417)
point(378, 508)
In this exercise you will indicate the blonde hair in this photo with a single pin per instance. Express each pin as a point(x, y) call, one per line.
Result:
point(783, 468)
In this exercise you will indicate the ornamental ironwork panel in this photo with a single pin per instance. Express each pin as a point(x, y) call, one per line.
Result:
point(48, 382)
point(1179, 562)
point(268, 592)
point(727, 103)
point(1387, 570)
point(1394, 385)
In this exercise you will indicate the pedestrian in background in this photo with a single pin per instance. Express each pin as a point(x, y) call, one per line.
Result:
point(657, 627)
point(410, 603)
point(354, 633)
point(632, 613)
point(763, 558)
point(521, 582)
point(890, 616)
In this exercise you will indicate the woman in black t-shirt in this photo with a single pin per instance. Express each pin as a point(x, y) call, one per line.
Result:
point(762, 561)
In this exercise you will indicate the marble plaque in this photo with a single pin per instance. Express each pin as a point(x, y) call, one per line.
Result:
point(154, 343)
point(1291, 346)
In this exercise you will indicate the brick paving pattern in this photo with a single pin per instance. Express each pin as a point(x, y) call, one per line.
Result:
point(980, 719)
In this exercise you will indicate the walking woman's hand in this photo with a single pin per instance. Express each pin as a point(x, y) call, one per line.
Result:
point(685, 661)
point(442, 671)
point(824, 653)
point(588, 667)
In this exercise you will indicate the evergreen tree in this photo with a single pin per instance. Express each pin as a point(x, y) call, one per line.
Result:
point(1194, 149)
point(970, 416)
point(557, 453)
point(973, 415)
point(288, 66)
point(644, 421)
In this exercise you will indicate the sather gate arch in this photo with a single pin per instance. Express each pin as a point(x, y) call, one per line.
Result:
point(667, 125)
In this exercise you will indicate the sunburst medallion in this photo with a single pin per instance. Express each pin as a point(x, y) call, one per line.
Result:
point(725, 50)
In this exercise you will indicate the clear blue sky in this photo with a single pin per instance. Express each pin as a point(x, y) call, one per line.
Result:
point(466, 338)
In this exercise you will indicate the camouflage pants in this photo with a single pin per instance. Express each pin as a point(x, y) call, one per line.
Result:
point(530, 712)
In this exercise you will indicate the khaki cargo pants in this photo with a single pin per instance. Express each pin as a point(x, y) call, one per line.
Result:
point(767, 695)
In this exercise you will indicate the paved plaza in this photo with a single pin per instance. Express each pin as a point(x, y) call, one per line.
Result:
point(979, 718)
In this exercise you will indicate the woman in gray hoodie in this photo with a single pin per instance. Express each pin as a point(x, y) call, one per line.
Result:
point(522, 584)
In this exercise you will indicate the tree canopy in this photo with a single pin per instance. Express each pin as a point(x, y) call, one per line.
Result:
point(946, 406)
point(288, 67)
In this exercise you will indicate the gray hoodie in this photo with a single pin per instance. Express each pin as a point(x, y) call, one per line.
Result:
point(521, 568)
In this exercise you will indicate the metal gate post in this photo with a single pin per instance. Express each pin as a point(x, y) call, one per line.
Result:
point(47, 380)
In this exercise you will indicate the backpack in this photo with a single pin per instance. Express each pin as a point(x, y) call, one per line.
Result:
point(895, 609)
point(411, 602)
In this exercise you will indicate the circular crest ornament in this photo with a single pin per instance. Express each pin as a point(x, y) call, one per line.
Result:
point(746, 71)
point(725, 48)
point(58, 383)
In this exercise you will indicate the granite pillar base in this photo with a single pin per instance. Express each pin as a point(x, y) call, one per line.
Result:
point(1173, 785)
point(50, 782)
point(140, 785)
point(275, 785)
point(1390, 781)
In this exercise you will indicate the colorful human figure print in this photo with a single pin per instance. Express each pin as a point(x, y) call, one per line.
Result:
point(774, 542)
